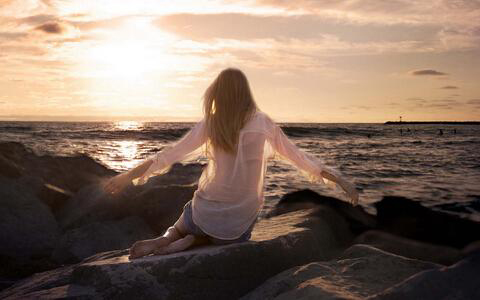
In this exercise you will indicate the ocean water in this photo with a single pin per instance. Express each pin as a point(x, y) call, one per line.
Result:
point(440, 171)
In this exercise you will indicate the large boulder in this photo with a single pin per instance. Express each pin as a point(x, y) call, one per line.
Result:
point(361, 271)
point(158, 206)
point(218, 272)
point(68, 173)
point(54, 197)
point(407, 218)
point(410, 248)
point(79, 243)
point(28, 230)
point(8, 168)
point(159, 202)
point(357, 218)
point(459, 281)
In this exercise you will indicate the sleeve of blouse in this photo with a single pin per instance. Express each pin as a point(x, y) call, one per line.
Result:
point(309, 164)
point(186, 147)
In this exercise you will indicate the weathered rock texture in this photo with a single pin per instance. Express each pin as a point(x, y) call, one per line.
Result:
point(79, 243)
point(459, 281)
point(28, 230)
point(444, 255)
point(361, 271)
point(212, 272)
point(407, 218)
point(53, 210)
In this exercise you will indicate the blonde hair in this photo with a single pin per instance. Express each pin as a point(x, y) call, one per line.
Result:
point(228, 104)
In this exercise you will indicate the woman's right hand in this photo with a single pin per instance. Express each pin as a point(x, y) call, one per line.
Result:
point(117, 183)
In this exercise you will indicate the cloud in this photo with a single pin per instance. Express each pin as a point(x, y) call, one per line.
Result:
point(474, 102)
point(427, 72)
point(253, 26)
point(37, 19)
point(51, 28)
point(364, 107)
point(449, 87)
point(415, 99)
point(12, 35)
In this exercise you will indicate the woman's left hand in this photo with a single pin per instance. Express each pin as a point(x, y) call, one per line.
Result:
point(351, 191)
point(117, 183)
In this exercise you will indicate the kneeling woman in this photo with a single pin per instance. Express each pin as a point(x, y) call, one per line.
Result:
point(238, 139)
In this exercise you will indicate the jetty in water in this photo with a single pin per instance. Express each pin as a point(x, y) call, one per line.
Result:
point(432, 122)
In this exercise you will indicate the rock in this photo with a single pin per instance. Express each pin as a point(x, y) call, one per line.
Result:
point(179, 174)
point(28, 230)
point(358, 219)
point(359, 272)
point(158, 205)
point(471, 248)
point(459, 281)
point(209, 272)
point(6, 282)
point(90, 204)
point(54, 197)
point(82, 242)
point(410, 219)
point(409, 248)
point(68, 173)
point(9, 169)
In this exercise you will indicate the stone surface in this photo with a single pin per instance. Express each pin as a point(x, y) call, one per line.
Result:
point(410, 219)
point(159, 206)
point(79, 243)
point(54, 197)
point(459, 281)
point(28, 230)
point(357, 218)
point(211, 272)
point(410, 248)
point(68, 173)
point(361, 271)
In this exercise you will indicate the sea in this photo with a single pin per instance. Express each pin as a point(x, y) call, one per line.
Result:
point(437, 165)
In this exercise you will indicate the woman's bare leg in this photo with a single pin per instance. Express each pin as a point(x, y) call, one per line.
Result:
point(182, 244)
point(146, 247)
point(187, 240)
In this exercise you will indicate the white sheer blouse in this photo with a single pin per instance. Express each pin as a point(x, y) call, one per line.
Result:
point(230, 189)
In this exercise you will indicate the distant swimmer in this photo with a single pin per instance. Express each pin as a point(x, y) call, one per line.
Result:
point(369, 135)
point(401, 131)
point(440, 131)
point(408, 129)
point(454, 131)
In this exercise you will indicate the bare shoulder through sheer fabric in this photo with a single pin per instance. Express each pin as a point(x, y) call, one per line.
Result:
point(230, 189)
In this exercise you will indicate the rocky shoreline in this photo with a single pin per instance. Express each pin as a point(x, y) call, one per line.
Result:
point(63, 237)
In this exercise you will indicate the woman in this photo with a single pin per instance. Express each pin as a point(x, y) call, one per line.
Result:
point(238, 139)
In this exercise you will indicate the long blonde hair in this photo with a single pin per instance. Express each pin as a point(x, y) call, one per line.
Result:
point(228, 104)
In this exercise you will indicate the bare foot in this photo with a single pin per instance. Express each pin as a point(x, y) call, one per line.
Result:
point(176, 246)
point(146, 247)
point(142, 248)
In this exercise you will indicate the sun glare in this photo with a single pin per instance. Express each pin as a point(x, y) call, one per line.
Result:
point(128, 125)
point(134, 51)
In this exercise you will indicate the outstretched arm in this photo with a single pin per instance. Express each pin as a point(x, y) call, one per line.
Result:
point(161, 161)
point(309, 163)
point(119, 182)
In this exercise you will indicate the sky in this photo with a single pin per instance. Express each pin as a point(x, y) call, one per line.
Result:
point(306, 60)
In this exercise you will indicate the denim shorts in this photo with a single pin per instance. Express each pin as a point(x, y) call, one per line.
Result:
point(192, 228)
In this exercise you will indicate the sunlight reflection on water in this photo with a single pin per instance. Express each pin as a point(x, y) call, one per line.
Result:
point(126, 154)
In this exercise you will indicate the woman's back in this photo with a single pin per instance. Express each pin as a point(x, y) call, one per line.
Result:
point(230, 190)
